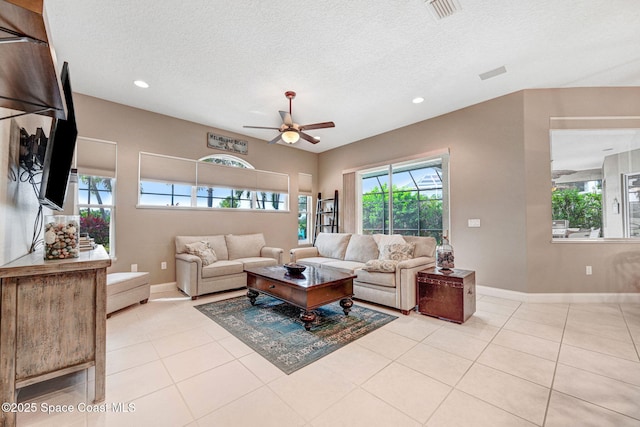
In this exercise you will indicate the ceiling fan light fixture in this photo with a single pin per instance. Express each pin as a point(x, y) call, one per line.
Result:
point(290, 136)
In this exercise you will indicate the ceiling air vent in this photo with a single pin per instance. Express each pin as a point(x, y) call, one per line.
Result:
point(442, 8)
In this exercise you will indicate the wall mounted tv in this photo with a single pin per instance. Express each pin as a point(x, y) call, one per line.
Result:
point(59, 153)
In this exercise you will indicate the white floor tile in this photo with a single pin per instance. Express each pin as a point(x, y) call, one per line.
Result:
point(456, 342)
point(217, 387)
point(523, 365)
point(311, 390)
point(601, 364)
point(542, 314)
point(151, 410)
point(127, 385)
point(602, 391)
point(409, 391)
point(612, 347)
point(536, 329)
point(176, 343)
point(386, 343)
point(508, 392)
point(261, 407)
point(461, 410)
point(196, 360)
point(362, 409)
point(261, 367)
point(566, 411)
point(435, 363)
point(355, 363)
point(130, 357)
point(528, 344)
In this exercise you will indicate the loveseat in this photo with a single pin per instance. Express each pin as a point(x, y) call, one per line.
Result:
point(385, 265)
point(206, 264)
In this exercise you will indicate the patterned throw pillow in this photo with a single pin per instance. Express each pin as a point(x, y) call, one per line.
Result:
point(382, 265)
point(202, 250)
point(398, 251)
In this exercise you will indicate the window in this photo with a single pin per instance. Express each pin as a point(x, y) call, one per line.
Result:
point(96, 162)
point(304, 219)
point(218, 181)
point(96, 208)
point(408, 198)
point(594, 180)
point(221, 197)
point(164, 194)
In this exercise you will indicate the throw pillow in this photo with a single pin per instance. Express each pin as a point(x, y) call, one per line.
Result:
point(202, 250)
point(382, 265)
point(398, 252)
point(383, 240)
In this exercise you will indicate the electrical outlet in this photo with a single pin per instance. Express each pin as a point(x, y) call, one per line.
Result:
point(588, 271)
point(134, 267)
point(163, 265)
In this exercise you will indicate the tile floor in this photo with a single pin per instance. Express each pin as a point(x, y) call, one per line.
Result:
point(511, 364)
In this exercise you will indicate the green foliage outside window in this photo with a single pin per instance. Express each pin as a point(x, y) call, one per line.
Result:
point(96, 224)
point(583, 210)
point(413, 212)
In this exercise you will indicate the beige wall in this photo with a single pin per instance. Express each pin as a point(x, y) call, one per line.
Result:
point(554, 267)
point(145, 236)
point(500, 173)
point(486, 181)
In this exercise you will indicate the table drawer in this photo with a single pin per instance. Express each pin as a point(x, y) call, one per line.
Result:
point(275, 289)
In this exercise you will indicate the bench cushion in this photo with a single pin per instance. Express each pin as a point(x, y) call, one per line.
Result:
point(121, 282)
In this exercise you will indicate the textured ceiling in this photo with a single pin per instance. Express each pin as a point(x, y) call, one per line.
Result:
point(358, 63)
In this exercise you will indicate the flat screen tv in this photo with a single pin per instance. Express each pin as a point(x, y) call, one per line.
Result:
point(59, 153)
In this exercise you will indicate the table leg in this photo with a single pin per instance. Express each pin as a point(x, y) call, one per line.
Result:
point(308, 317)
point(252, 294)
point(346, 304)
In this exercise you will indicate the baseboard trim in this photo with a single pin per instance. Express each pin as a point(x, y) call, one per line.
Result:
point(163, 287)
point(615, 298)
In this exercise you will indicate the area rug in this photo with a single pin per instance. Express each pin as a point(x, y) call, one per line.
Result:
point(272, 328)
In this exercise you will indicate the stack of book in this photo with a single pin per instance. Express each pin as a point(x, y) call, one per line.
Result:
point(87, 243)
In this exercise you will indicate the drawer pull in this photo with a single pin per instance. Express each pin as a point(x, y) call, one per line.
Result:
point(272, 286)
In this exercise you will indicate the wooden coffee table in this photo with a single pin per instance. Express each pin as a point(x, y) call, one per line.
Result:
point(308, 290)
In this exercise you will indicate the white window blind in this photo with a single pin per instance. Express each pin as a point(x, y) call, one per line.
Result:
point(156, 167)
point(305, 184)
point(214, 175)
point(96, 157)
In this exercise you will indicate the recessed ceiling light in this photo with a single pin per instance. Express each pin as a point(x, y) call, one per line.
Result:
point(418, 100)
point(141, 83)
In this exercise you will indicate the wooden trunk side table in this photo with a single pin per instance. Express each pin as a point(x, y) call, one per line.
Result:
point(449, 295)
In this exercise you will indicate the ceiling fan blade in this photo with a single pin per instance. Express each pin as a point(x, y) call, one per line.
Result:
point(276, 139)
point(309, 138)
point(286, 118)
point(260, 127)
point(318, 126)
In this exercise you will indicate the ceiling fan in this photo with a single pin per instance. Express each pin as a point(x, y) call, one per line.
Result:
point(291, 132)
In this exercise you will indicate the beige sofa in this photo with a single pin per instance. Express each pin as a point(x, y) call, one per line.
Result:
point(199, 273)
point(361, 255)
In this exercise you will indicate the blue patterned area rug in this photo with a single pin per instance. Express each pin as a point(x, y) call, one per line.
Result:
point(273, 328)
